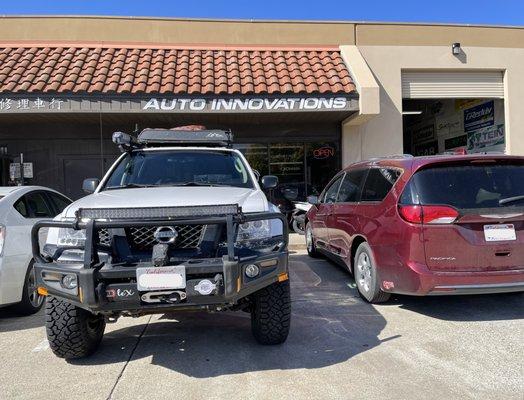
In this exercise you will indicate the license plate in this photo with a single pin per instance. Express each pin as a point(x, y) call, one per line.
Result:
point(499, 232)
point(161, 278)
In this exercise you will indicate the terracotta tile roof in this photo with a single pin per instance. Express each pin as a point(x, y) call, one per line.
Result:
point(76, 69)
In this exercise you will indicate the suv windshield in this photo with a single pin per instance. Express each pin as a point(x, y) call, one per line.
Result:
point(180, 168)
point(468, 186)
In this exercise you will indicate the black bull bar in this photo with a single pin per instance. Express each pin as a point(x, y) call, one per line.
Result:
point(91, 226)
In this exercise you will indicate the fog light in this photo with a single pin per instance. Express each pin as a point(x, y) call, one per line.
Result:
point(252, 270)
point(69, 281)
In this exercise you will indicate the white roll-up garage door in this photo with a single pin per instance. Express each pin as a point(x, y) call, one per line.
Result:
point(453, 84)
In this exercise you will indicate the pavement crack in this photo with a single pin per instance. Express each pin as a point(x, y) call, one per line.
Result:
point(110, 396)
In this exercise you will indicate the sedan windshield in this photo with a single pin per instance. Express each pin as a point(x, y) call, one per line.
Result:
point(179, 168)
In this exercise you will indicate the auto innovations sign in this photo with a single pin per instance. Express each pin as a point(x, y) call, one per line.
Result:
point(16, 103)
point(247, 104)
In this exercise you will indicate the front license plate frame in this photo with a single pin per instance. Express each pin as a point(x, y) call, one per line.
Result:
point(161, 278)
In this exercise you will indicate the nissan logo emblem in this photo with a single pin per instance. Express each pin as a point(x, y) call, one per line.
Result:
point(165, 234)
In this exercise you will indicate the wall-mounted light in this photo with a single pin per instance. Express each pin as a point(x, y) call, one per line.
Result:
point(411, 112)
point(455, 49)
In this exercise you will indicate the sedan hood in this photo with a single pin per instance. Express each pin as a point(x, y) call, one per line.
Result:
point(251, 200)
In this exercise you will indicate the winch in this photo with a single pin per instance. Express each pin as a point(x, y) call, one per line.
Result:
point(171, 296)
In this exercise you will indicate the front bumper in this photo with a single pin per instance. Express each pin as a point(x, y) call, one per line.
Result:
point(112, 288)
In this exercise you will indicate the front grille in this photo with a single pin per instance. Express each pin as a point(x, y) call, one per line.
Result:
point(189, 237)
point(103, 237)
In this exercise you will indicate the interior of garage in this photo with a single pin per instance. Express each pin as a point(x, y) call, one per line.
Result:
point(453, 125)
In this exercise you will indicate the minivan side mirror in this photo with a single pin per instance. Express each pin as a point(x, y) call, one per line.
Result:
point(312, 200)
point(269, 181)
point(90, 185)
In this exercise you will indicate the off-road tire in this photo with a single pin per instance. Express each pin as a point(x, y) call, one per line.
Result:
point(27, 304)
point(271, 313)
point(71, 331)
point(310, 247)
point(372, 293)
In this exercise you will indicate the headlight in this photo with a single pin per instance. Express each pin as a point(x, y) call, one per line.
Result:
point(260, 234)
point(68, 237)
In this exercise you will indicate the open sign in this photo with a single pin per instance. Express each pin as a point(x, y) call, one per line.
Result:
point(323, 152)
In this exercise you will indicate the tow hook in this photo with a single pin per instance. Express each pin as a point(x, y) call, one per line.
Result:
point(164, 297)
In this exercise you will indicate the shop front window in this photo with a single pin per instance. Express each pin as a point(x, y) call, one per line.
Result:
point(302, 168)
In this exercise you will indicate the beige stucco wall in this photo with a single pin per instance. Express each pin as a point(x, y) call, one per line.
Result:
point(382, 135)
point(174, 31)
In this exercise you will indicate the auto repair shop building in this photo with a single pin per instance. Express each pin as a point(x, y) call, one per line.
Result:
point(302, 98)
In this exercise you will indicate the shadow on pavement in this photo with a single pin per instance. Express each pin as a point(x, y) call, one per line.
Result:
point(488, 307)
point(11, 321)
point(330, 324)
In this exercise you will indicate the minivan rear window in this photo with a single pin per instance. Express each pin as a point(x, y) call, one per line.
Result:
point(468, 186)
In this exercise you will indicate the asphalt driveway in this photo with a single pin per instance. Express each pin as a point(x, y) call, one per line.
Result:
point(339, 348)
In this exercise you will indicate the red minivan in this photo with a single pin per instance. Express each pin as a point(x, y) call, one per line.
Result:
point(424, 225)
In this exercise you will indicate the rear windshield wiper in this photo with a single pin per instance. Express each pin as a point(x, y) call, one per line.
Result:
point(511, 199)
point(127, 185)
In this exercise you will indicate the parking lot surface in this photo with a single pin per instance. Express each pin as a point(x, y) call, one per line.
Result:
point(339, 348)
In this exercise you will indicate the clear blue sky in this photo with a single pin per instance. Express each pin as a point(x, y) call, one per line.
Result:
point(505, 12)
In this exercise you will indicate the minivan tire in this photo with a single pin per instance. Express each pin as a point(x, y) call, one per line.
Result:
point(72, 332)
point(366, 276)
point(271, 313)
point(310, 242)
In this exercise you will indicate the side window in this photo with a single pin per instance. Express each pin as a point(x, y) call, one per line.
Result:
point(378, 183)
point(37, 206)
point(21, 207)
point(330, 195)
point(59, 202)
point(351, 186)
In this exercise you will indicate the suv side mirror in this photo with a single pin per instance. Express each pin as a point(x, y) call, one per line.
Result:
point(90, 185)
point(312, 200)
point(269, 181)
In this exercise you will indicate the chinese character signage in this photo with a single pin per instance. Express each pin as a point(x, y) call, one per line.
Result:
point(28, 104)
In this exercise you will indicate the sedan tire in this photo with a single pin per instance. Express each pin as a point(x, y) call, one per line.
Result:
point(31, 301)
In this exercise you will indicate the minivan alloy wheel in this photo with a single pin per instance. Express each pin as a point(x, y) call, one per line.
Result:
point(363, 274)
point(309, 239)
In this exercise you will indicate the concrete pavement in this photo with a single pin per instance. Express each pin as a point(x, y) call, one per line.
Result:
point(339, 348)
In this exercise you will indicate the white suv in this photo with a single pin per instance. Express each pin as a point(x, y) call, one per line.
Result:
point(178, 222)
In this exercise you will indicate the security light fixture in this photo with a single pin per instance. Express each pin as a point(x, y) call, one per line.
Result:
point(455, 49)
point(412, 112)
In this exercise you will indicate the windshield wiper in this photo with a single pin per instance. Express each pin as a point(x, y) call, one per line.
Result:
point(193, 183)
point(127, 185)
point(511, 199)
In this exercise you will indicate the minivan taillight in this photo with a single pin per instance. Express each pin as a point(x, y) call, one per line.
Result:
point(428, 214)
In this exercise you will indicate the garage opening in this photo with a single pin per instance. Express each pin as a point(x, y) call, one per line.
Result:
point(453, 112)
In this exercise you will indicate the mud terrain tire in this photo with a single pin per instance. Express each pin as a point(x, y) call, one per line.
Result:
point(71, 331)
point(271, 313)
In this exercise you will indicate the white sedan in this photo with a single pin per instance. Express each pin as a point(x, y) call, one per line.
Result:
point(20, 208)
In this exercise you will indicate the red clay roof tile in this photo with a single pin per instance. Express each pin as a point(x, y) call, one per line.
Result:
point(74, 69)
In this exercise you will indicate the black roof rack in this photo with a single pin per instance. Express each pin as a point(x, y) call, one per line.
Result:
point(181, 137)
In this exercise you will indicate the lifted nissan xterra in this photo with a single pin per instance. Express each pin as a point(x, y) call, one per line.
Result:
point(179, 222)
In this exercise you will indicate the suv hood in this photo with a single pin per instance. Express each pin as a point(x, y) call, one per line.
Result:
point(251, 200)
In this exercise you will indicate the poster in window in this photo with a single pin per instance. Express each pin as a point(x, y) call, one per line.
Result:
point(479, 116)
